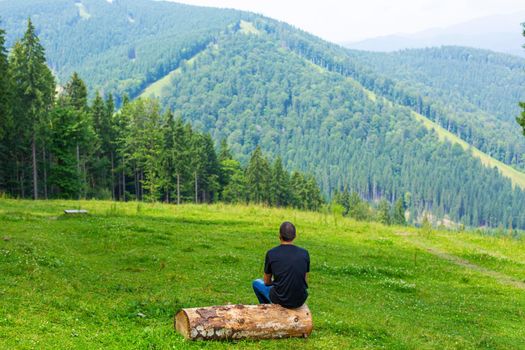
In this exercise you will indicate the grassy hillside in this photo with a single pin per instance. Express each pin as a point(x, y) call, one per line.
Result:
point(114, 278)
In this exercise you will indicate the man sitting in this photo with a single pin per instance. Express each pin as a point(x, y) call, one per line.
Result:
point(289, 266)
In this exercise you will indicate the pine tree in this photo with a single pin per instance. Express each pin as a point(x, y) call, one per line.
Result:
point(181, 149)
point(279, 185)
point(383, 212)
point(5, 113)
point(102, 173)
point(65, 132)
point(76, 93)
point(358, 209)
point(521, 118)
point(75, 97)
point(258, 177)
point(235, 189)
point(34, 89)
point(227, 165)
point(212, 170)
point(398, 215)
point(5, 91)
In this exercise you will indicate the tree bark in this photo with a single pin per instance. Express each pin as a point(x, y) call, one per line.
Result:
point(45, 170)
point(78, 171)
point(123, 184)
point(35, 172)
point(196, 190)
point(113, 195)
point(178, 188)
point(265, 321)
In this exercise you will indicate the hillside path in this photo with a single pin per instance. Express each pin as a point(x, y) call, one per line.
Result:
point(498, 276)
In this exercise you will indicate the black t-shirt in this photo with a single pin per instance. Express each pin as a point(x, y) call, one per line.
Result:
point(288, 264)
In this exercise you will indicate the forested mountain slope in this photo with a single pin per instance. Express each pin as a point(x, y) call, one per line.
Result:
point(473, 92)
point(255, 81)
point(118, 46)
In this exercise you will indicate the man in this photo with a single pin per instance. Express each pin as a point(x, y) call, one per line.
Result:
point(289, 266)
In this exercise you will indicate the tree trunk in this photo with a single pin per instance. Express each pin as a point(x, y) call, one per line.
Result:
point(196, 190)
point(123, 184)
point(45, 171)
point(78, 171)
point(263, 321)
point(35, 173)
point(178, 188)
point(113, 195)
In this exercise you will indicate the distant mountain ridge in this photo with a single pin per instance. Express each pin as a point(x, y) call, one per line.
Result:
point(501, 33)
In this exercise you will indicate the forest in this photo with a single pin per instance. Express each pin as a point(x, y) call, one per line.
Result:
point(70, 147)
point(327, 124)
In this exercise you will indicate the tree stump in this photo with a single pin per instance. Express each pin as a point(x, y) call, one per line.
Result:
point(265, 321)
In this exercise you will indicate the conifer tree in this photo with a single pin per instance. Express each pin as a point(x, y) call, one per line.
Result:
point(5, 112)
point(211, 184)
point(235, 189)
point(521, 118)
point(280, 184)
point(34, 89)
point(258, 177)
point(398, 215)
point(75, 97)
point(358, 209)
point(5, 93)
point(65, 133)
point(383, 212)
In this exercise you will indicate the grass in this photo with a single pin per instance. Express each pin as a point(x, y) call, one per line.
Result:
point(156, 89)
point(249, 28)
point(114, 278)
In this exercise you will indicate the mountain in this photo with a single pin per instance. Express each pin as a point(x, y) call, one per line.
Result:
point(335, 113)
point(462, 89)
point(500, 33)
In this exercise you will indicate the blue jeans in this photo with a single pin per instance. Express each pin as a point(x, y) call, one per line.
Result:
point(262, 291)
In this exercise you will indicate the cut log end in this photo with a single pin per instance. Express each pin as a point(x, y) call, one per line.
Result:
point(182, 325)
point(243, 322)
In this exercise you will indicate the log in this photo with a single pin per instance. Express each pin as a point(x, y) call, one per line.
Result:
point(228, 322)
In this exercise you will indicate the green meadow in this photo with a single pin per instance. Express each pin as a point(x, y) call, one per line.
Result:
point(114, 278)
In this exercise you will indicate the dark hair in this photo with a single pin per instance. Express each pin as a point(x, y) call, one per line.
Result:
point(287, 231)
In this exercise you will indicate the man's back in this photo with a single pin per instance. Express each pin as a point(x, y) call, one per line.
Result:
point(288, 264)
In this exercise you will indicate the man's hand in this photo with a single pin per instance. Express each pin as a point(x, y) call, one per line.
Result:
point(268, 279)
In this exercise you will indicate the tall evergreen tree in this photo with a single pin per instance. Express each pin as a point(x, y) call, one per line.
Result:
point(258, 177)
point(5, 93)
point(66, 131)
point(34, 90)
point(102, 160)
point(383, 212)
point(521, 118)
point(398, 214)
point(75, 97)
point(279, 185)
point(5, 112)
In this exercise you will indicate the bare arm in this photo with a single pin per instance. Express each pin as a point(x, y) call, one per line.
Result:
point(268, 279)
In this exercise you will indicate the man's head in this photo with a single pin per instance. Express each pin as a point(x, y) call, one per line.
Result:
point(287, 232)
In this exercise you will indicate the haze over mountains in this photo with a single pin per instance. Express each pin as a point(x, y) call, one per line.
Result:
point(435, 127)
point(500, 33)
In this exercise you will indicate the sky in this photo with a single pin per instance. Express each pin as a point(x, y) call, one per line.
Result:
point(354, 20)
